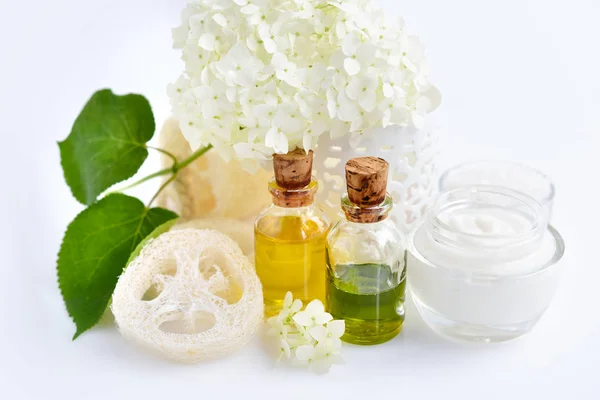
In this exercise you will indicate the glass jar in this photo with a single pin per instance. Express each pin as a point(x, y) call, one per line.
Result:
point(290, 246)
point(484, 265)
point(366, 273)
point(504, 174)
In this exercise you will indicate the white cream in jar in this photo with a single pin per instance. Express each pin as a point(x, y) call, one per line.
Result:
point(483, 266)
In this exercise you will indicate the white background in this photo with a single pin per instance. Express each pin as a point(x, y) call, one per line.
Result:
point(520, 81)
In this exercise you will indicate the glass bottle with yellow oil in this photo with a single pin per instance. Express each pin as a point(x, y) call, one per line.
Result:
point(290, 235)
point(366, 276)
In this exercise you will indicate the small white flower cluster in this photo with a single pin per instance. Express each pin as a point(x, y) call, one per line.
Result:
point(267, 76)
point(310, 337)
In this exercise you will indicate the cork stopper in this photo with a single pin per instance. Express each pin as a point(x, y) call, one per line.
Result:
point(293, 170)
point(366, 179)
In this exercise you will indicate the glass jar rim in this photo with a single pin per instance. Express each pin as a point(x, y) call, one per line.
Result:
point(552, 261)
point(463, 196)
point(550, 190)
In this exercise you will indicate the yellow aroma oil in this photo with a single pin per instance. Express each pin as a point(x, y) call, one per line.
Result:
point(290, 235)
point(290, 256)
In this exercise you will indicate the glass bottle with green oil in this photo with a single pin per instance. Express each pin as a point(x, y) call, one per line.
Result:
point(366, 275)
point(290, 235)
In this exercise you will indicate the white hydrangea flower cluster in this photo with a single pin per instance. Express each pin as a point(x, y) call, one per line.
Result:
point(310, 337)
point(267, 76)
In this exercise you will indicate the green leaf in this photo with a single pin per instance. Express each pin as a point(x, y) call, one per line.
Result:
point(96, 248)
point(107, 143)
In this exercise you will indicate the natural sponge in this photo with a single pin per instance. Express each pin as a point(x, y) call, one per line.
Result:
point(210, 185)
point(190, 295)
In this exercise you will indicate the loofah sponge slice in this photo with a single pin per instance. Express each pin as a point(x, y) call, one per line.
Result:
point(190, 295)
point(241, 232)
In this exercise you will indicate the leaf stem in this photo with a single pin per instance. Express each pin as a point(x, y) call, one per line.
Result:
point(168, 153)
point(177, 166)
point(144, 179)
point(164, 185)
point(192, 157)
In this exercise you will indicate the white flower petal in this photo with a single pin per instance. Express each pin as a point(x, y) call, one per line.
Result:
point(281, 145)
point(335, 344)
point(220, 19)
point(277, 328)
point(285, 349)
point(207, 41)
point(303, 318)
point(387, 116)
point(368, 101)
point(409, 65)
point(357, 124)
point(210, 108)
point(255, 19)
point(249, 9)
point(231, 94)
point(270, 45)
point(283, 314)
point(321, 366)
point(204, 78)
point(434, 96)
point(287, 300)
point(336, 328)
point(270, 137)
point(319, 333)
point(305, 353)
point(307, 141)
point(296, 305)
point(323, 349)
point(244, 150)
point(348, 110)
point(322, 318)
point(288, 123)
point(350, 44)
point(252, 43)
point(351, 66)
point(337, 60)
point(244, 78)
point(366, 53)
point(354, 88)
point(264, 31)
point(315, 307)
point(423, 104)
point(388, 91)
point(340, 29)
point(279, 61)
point(273, 321)
point(331, 102)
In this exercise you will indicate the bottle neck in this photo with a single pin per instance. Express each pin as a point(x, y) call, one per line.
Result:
point(366, 215)
point(293, 198)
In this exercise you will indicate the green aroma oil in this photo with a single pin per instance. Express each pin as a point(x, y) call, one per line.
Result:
point(370, 298)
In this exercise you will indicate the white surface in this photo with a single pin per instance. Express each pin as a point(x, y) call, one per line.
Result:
point(520, 81)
